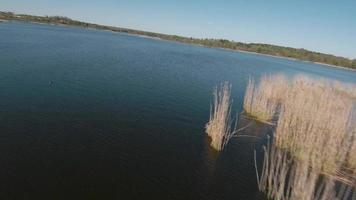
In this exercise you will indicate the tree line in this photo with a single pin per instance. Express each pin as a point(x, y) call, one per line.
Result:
point(300, 54)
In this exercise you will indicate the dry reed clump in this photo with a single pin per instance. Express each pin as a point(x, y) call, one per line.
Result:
point(313, 125)
point(352, 154)
point(284, 178)
point(352, 158)
point(312, 145)
point(219, 125)
point(263, 101)
point(348, 89)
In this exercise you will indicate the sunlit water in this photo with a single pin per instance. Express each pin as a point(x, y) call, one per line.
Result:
point(87, 114)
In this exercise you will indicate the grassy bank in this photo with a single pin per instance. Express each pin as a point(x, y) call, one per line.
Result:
point(267, 49)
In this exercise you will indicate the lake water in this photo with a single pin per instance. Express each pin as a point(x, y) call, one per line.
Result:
point(88, 114)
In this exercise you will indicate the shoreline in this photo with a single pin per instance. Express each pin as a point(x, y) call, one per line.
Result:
point(334, 66)
point(181, 42)
point(243, 51)
point(294, 59)
point(235, 50)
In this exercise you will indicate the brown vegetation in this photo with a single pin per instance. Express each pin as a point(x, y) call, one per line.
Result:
point(274, 50)
point(313, 145)
point(263, 101)
point(219, 127)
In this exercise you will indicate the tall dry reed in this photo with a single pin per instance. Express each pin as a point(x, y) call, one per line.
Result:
point(312, 143)
point(352, 155)
point(314, 124)
point(348, 89)
point(219, 127)
point(286, 178)
point(262, 101)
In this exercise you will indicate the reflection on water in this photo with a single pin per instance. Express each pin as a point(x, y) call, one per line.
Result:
point(210, 156)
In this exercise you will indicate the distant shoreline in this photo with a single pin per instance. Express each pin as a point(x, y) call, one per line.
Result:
point(252, 48)
point(249, 52)
point(233, 50)
point(295, 59)
point(157, 38)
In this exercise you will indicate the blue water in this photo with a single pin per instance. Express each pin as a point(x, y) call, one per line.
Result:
point(89, 114)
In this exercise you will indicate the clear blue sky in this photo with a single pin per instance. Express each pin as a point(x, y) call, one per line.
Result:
point(320, 25)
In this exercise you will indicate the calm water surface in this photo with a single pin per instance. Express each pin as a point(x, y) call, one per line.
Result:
point(87, 114)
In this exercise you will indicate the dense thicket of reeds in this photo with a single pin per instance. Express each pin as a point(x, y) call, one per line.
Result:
point(347, 89)
point(286, 178)
point(352, 157)
point(219, 127)
point(313, 123)
point(262, 101)
point(312, 154)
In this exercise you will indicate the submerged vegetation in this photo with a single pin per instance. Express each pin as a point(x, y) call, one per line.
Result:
point(300, 54)
point(312, 153)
